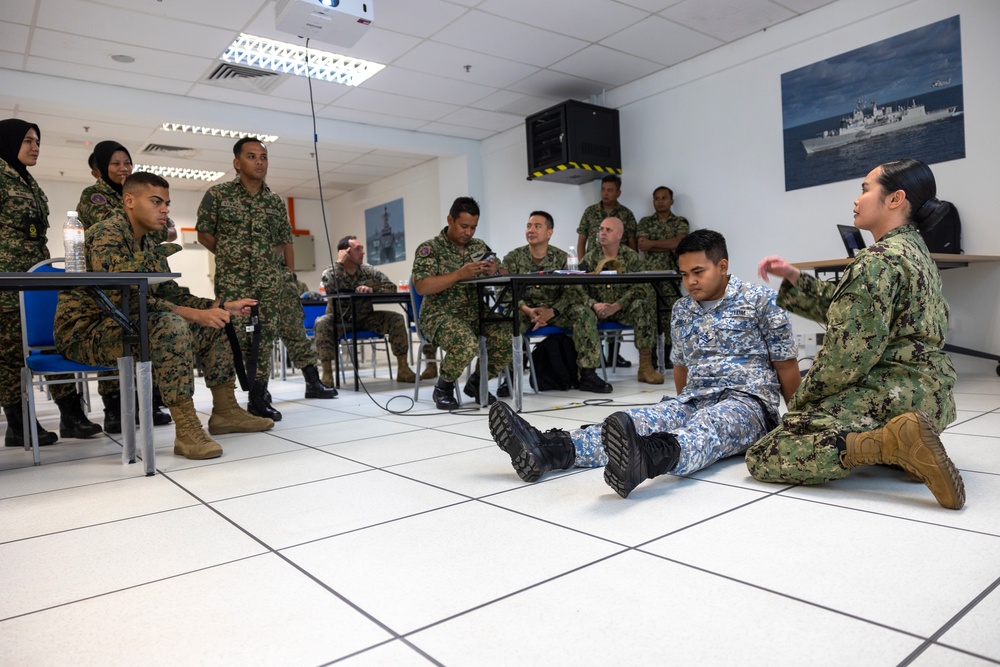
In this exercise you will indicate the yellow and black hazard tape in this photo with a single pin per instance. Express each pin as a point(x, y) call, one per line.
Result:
point(574, 165)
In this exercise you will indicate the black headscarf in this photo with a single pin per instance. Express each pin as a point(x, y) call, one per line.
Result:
point(12, 134)
point(102, 153)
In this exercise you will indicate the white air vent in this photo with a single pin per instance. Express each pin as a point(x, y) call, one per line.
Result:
point(171, 151)
point(247, 79)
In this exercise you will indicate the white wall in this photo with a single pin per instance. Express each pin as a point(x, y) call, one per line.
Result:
point(710, 129)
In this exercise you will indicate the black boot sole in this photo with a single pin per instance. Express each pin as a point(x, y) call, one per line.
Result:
point(504, 429)
point(269, 413)
point(43, 441)
point(81, 433)
point(625, 469)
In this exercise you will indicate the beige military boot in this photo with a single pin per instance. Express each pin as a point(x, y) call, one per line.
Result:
point(327, 377)
point(647, 373)
point(229, 417)
point(911, 442)
point(430, 371)
point(190, 439)
point(403, 371)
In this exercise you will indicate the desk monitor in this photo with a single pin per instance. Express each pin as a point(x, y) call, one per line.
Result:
point(853, 241)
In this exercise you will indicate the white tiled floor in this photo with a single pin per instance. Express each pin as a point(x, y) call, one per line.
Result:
point(352, 536)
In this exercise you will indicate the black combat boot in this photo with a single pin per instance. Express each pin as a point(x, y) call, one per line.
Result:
point(315, 388)
point(160, 418)
point(444, 395)
point(15, 429)
point(259, 404)
point(471, 389)
point(590, 381)
point(73, 422)
point(112, 413)
point(532, 453)
point(633, 458)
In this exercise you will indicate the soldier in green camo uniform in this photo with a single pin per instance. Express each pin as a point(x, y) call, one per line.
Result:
point(246, 225)
point(557, 305)
point(180, 324)
point(659, 235)
point(103, 201)
point(608, 207)
point(24, 223)
point(880, 389)
point(450, 311)
point(634, 305)
point(352, 274)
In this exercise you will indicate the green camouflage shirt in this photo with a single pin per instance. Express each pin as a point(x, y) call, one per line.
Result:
point(112, 248)
point(654, 229)
point(886, 323)
point(24, 222)
point(594, 215)
point(559, 297)
point(337, 278)
point(623, 295)
point(100, 202)
point(438, 257)
point(247, 229)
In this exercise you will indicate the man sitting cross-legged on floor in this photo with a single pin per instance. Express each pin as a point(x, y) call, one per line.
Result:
point(733, 352)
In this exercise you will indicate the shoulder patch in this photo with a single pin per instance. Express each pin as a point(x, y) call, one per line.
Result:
point(98, 198)
point(424, 251)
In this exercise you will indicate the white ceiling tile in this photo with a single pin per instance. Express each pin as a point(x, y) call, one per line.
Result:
point(457, 131)
point(253, 100)
point(803, 6)
point(395, 162)
point(661, 41)
point(13, 37)
point(509, 101)
point(587, 21)
point(229, 14)
point(449, 61)
point(10, 60)
point(559, 86)
point(116, 76)
point(395, 105)
point(422, 19)
point(132, 29)
point(416, 156)
point(651, 5)
point(487, 120)
point(608, 66)
point(17, 12)
point(727, 19)
point(491, 34)
point(426, 86)
point(297, 88)
point(382, 46)
point(370, 118)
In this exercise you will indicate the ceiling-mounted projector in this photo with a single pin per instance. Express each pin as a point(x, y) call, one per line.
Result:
point(338, 22)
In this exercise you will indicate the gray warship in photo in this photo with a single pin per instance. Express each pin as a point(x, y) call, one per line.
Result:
point(864, 124)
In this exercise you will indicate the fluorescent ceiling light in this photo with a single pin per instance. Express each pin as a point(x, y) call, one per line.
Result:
point(275, 56)
point(215, 132)
point(180, 172)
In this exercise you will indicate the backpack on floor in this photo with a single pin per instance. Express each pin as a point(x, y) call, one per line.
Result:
point(945, 236)
point(555, 363)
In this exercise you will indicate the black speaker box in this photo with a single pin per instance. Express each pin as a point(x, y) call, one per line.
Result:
point(573, 142)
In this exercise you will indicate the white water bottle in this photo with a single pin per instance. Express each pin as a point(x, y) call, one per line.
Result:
point(572, 262)
point(73, 244)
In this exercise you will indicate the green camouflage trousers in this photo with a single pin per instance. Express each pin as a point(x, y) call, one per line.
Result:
point(173, 342)
point(583, 321)
point(802, 450)
point(282, 317)
point(460, 341)
point(641, 314)
point(12, 361)
point(381, 322)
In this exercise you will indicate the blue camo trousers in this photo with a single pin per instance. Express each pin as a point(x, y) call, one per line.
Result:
point(707, 430)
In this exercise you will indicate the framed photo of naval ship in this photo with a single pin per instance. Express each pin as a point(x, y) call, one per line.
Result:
point(385, 233)
point(899, 97)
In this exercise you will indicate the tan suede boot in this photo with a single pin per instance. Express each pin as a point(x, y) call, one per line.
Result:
point(403, 371)
point(430, 371)
point(229, 417)
point(190, 439)
point(327, 377)
point(647, 373)
point(911, 442)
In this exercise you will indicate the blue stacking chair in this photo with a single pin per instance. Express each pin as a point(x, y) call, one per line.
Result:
point(38, 315)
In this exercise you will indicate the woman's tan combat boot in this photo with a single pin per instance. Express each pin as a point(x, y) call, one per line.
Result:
point(229, 417)
point(190, 439)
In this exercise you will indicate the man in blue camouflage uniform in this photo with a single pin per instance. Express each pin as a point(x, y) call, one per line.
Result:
point(659, 235)
point(246, 226)
point(734, 359)
point(880, 389)
point(449, 314)
point(350, 273)
point(562, 306)
point(634, 305)
point(608, 207)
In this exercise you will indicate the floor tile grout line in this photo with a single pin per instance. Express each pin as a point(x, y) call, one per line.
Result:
point(950, 623)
